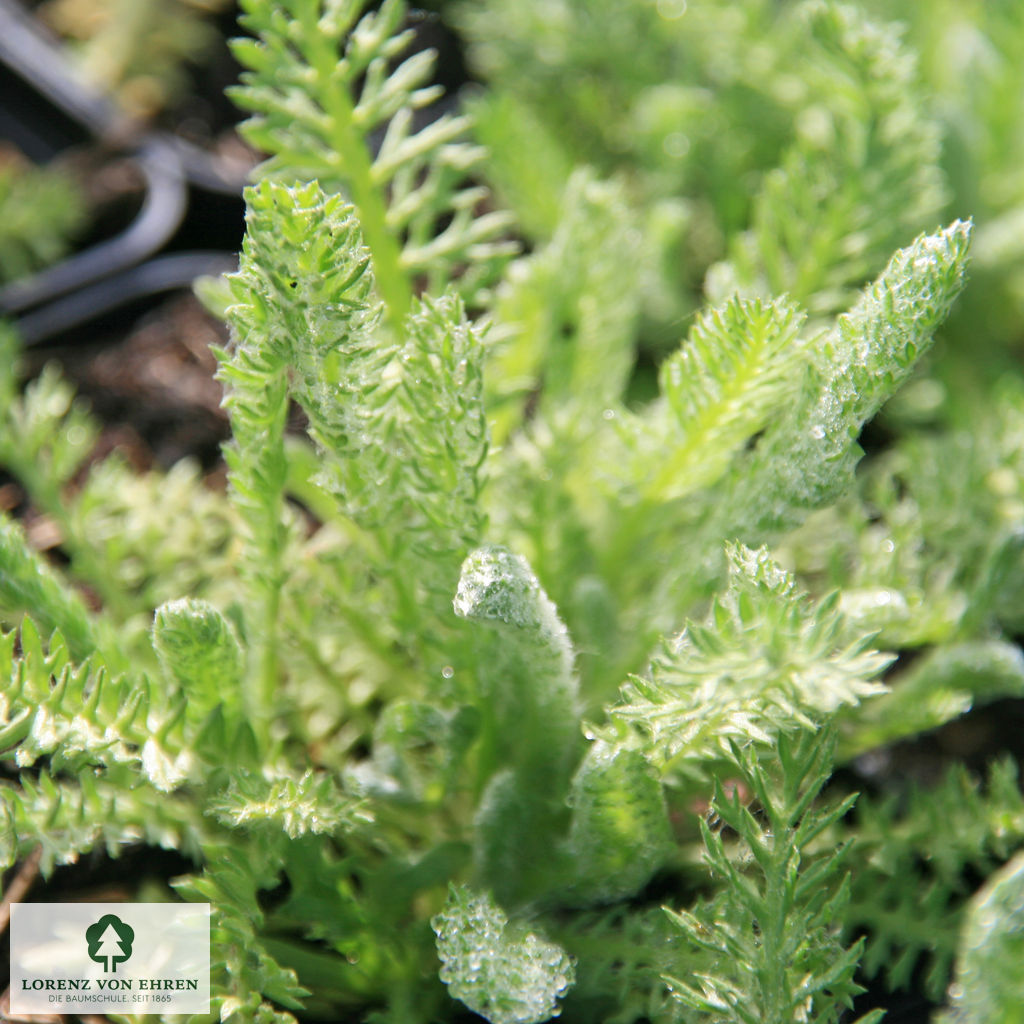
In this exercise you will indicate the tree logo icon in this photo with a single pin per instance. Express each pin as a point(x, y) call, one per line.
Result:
point(110, 941)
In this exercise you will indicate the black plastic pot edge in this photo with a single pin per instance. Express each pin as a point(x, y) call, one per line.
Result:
point(51, 110)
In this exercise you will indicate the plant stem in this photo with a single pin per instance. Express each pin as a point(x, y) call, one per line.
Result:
point(356, 168)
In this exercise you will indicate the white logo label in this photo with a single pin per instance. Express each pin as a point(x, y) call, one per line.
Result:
point(110, 957)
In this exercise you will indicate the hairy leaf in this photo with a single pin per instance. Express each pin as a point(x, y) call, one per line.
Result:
point(506, 975)
point(767, 660)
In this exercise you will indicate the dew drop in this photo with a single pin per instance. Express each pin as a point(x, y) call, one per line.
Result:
point(818, 431)
point(447, 671)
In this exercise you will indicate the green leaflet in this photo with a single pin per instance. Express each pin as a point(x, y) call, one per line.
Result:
point(741, 363)
point(67, 820)
point(499, 590)
point(928, 550)
point(47, 432)
point(569, 311)
point(41, 211)
point(807, 458)
point(318, 85)
point(72, 713)
point(118, 544)
point(909, 855)
point(413, 437)
point(254, 373)
point(766, 660)
point(398, 420)
point(619, 834)
point(136, 539)
point(244, 971)
point(988, 984)
point(943, 684)
point(506, 975)
point(311, 803)
point(530, 722)
point(766, 951)
point(79, 716)
point(27, 584)
point(200, 652)
point(862, 175)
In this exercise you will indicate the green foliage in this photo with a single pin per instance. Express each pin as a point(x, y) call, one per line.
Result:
point(531, 684)
point(66, 820)
point(988, 983)
point(506, 977)
point(720, 389)
point(619, 834)
point(28, 583)
point(198, 649)
point(319, 84)
point(551, 588)
point(766, 661)
point(909, 864)
point(767, 948)
point(942, 685)
point(871, 350)
point(41, 211)
point(243, 968)
point(838, 200)
point(298, 806)
point(566, 317)
point(805, 181)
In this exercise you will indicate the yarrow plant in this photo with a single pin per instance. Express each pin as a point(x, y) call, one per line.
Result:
point(515, 680)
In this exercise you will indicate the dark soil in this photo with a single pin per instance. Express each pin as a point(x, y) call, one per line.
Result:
point(152, 385)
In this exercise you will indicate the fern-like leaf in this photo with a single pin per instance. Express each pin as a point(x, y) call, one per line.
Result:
point(246, 979)
point(739, 366)
point(766, 660)
point(909, 858)
point(863, 173)
point(807, 458)
point(28, 584)
point(319, 86)
point(68, 819)
point(311, 803)
point(767, 950)
point(399, 422)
